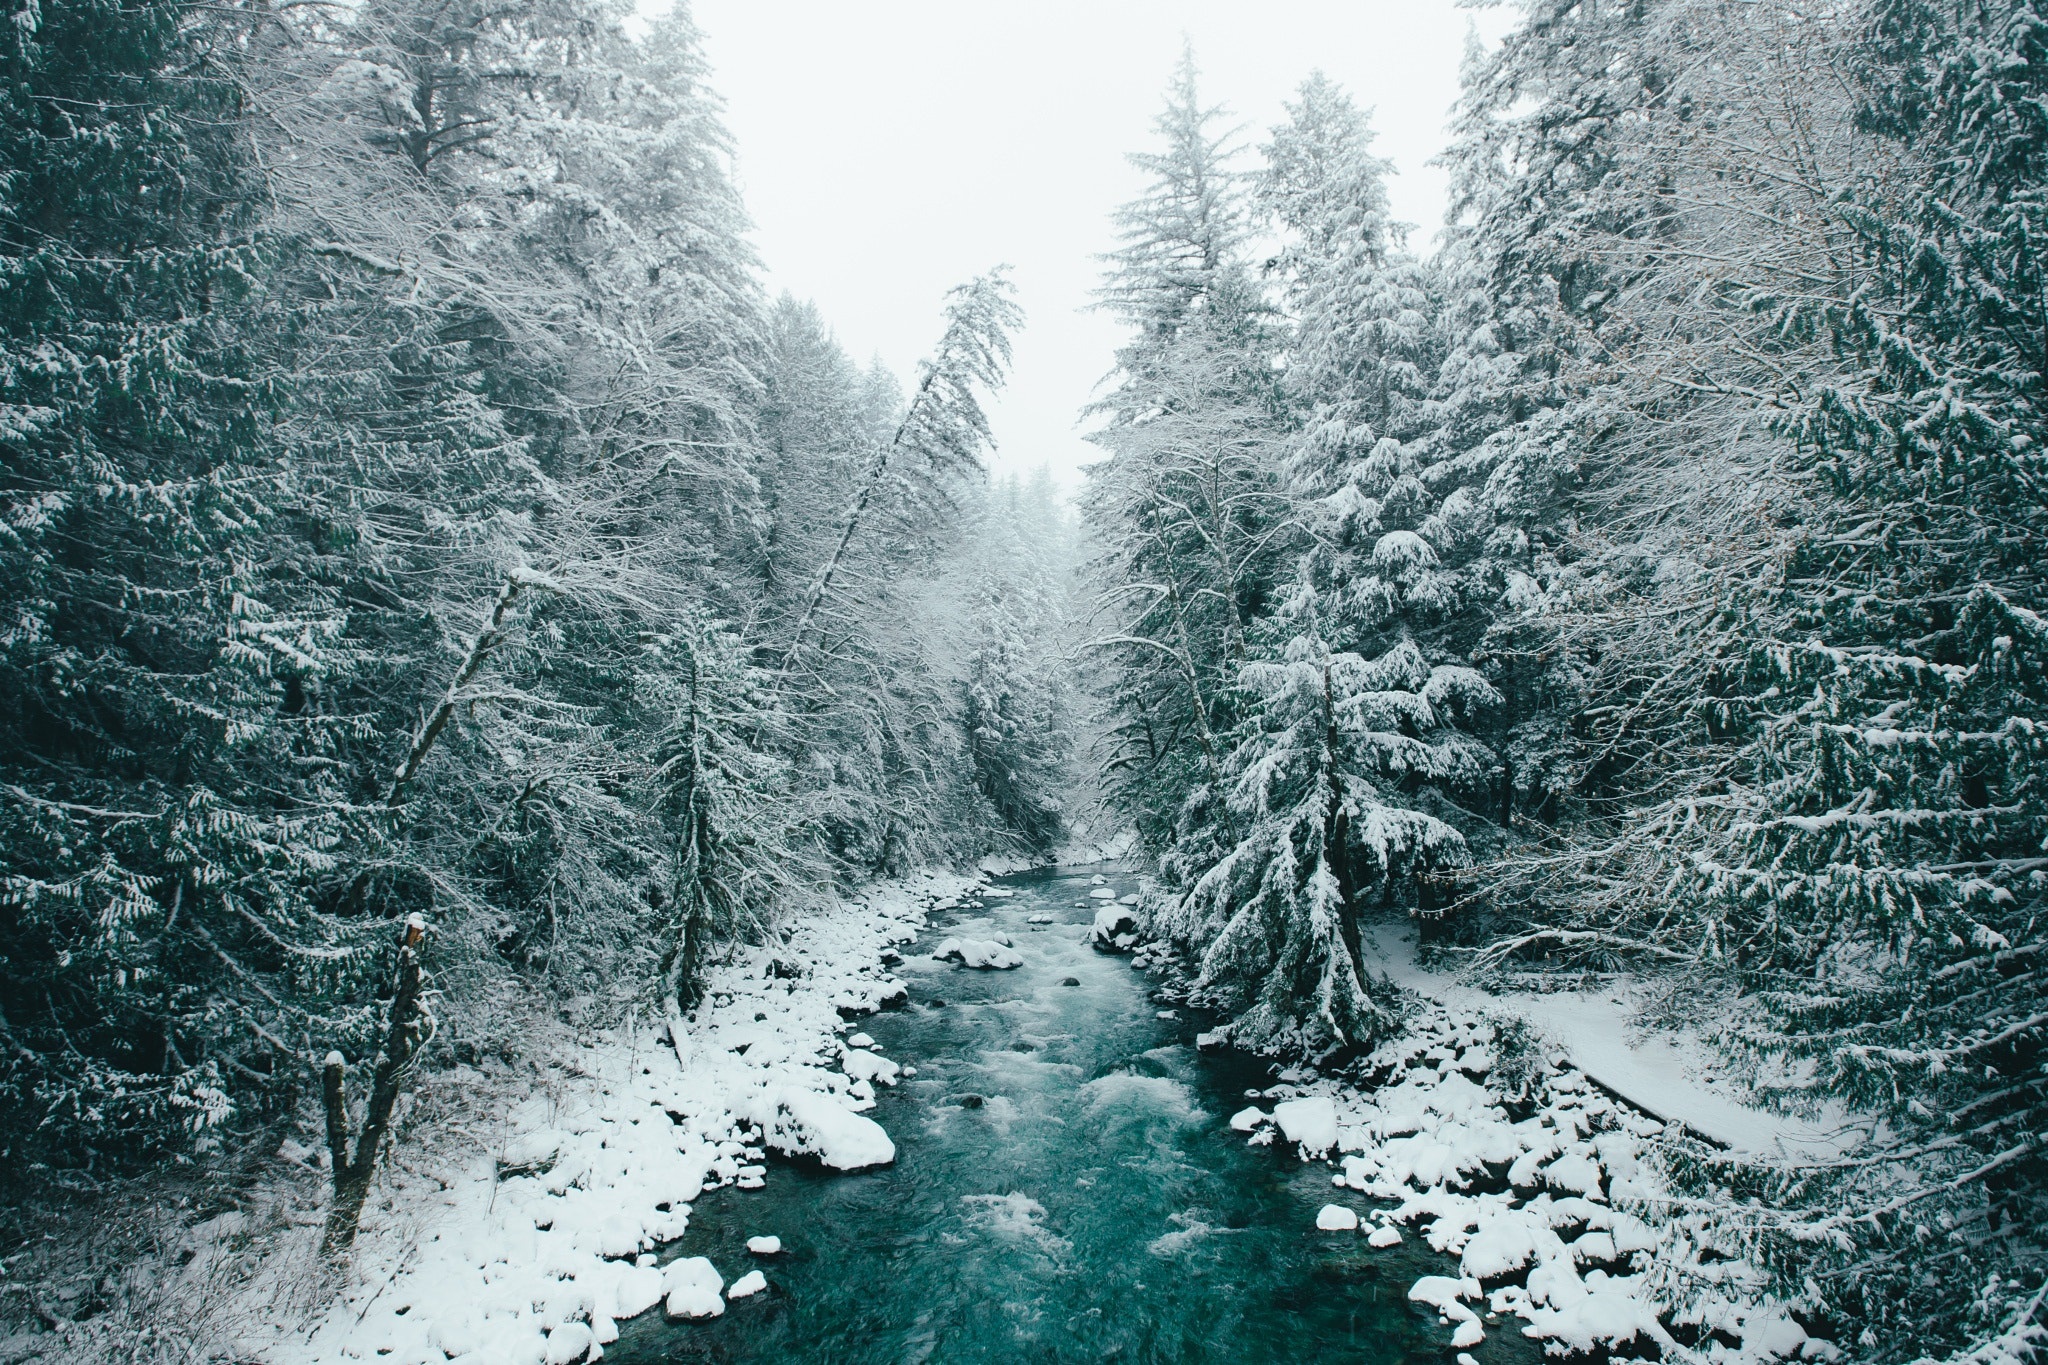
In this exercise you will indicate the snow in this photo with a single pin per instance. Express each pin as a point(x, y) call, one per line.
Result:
point(568, 1344)
point(1660, 1073)
point(863, 1065)
point(747, 1285)
point(1337, 1218)
point(765, 1246)
point(1397, 548)
point(1583, 1165)
point(984, 954)
point(542, 1235)
point(1115, 929)
point(1103, 893)
point(1309, 1123)
point(800, 1122)
point(1246, 1119)
point(692, 1286)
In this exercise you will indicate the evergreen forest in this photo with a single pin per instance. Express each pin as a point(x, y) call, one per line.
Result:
point(454, 617)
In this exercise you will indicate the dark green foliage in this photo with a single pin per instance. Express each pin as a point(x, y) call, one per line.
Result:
point(396, 446)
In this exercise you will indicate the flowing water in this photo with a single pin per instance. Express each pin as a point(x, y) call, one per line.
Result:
point(1066, 1188)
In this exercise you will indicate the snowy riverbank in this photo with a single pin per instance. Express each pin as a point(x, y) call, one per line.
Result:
point(1562, 1218)
point(531, 1250)
point(1527, 1134)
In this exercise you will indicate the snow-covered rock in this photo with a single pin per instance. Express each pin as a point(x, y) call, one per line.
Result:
point(747, 1285)
point(803, 1122)
point(637, 1289)
point(692, 1286)
point(568, 1344)
point(1336, 1218)
point(862, 1065)
point(1384, 1236)
point(1309, 1123)
point(1248, 1118)
point(1103, 893)
point(1115, 929)
point(765, 1246)
point(981, 953)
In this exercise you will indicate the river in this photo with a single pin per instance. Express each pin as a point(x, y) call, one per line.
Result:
point(1066, 1189)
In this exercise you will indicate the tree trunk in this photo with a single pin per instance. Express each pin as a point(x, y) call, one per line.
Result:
point(352, 1177)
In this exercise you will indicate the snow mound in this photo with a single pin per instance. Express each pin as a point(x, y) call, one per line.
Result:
point(862, 1065)
point(805, 1123)
point(1336, 1218)
point(1310, 1123)
point(981, 953)
point(693, 1287)
point(1115, 929)
point(765, 1246)
point(747, 1285)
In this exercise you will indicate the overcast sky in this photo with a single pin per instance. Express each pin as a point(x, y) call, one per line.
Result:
point(891, 148)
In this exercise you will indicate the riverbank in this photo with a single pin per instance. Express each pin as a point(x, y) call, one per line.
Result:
point(529, 1243)
point(1532, 1137)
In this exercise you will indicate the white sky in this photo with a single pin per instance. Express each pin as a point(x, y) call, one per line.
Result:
point(889, 149)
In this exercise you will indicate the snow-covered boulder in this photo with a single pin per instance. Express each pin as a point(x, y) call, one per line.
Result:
point(981, 953)
point(1116, 929)
point(1103, 893)
point(1384, 1236)
point(805, 1123)
point(747, 1285)
point(568, 1344)
point(693, 1286)
point(862, 1065)
point(765, 1246)
point(637, 1289)
point(1310, 1123)
point(1336, 1218)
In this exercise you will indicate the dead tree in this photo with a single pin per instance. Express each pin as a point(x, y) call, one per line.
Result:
point(401, 1042)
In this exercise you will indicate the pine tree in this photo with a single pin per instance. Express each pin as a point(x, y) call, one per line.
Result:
point(167, 807)
point(1187, 504)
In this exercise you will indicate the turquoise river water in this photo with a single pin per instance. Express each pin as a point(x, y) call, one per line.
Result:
point(1093, 1205)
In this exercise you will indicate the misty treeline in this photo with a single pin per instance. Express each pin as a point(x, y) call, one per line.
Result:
point(1647, 579)
point(411, 505)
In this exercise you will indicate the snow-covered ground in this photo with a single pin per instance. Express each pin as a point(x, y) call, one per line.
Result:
point(1673, 1077)
point(1579, 1245)
point(1562, 1218)
point(531, 1251)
